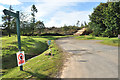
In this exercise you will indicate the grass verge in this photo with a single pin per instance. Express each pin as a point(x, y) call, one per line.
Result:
point(105, 40)
point(41, 66)
point(32, 47)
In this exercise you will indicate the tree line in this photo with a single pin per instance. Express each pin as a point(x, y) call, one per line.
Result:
point(104, 21)
point(28, 25)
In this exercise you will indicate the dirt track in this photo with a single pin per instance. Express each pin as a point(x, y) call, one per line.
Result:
point(89, 59)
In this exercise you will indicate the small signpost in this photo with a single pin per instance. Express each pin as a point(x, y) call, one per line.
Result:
point(49, 42)
point(20, 58)
point(16, 15)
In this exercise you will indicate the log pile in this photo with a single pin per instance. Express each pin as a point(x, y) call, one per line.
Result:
point(80, 32)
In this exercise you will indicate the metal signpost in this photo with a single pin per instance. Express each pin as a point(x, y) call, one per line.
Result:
point(16, 15)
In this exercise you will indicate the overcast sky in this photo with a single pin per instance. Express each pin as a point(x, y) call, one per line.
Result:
point(54, 12)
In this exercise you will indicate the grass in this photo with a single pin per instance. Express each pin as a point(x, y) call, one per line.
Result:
point(39, 67)
point(31, 46)
point(105, 40)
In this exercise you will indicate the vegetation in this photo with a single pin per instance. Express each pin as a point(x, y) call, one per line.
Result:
point(105, 40)
point(34, 10)
point(33, 46)
point(70, 29)
point(28, 25)
point(9, 22)
point(39, 27)
point(105, 19)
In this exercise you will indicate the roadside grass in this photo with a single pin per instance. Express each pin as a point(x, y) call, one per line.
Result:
point(31, 45)
point(105, 40)
point(42, 66)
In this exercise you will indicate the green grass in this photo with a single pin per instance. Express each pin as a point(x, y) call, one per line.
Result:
point(105, 40)
point(31, 46)
point(38, 67)
point(41, 66)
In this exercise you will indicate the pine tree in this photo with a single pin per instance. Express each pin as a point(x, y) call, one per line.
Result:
point(34, 10)
point(8, 21)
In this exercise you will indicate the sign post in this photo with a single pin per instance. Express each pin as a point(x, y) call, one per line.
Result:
point(7, 12)
point(49, 43)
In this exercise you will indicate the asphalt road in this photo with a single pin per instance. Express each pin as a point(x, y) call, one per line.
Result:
point(89, 59)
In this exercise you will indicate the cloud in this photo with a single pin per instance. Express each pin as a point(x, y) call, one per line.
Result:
point(54, 12)
point(63, 0)
point(57, 14)
point(1, 13)
point(61, 18)
point(10, 2)
point(2, 7)
point(1, 10)
point(72, 0)
point(47, 8)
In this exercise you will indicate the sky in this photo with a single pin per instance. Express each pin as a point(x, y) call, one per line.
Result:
point(54, 12)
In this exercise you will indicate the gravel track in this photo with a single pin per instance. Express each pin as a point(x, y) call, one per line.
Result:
point(89, 59)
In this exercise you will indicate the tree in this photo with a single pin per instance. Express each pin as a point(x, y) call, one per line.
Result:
point(77, 23)
point(82, 25)
point(39, 26)
point(106, 19)
point(24, 23)
point(96, 30)
point(9, 21)
point(97, 19)
point(112, 19)
point(34, 10)
point(65, 28)
point(85, 23)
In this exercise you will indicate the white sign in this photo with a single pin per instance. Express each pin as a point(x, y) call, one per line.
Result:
point(20, 58)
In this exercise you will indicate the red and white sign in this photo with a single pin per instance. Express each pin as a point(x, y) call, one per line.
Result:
point(20, 58)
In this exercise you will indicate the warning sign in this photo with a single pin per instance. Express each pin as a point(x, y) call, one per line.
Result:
point(20, 58)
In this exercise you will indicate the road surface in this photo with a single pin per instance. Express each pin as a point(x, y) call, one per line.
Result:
point(89, 59)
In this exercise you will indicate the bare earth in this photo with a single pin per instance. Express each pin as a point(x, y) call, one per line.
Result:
point(89, 59)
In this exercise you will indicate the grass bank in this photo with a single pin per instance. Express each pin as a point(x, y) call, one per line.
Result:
point(105, 40)
point(30, 45)
point(38, 67)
